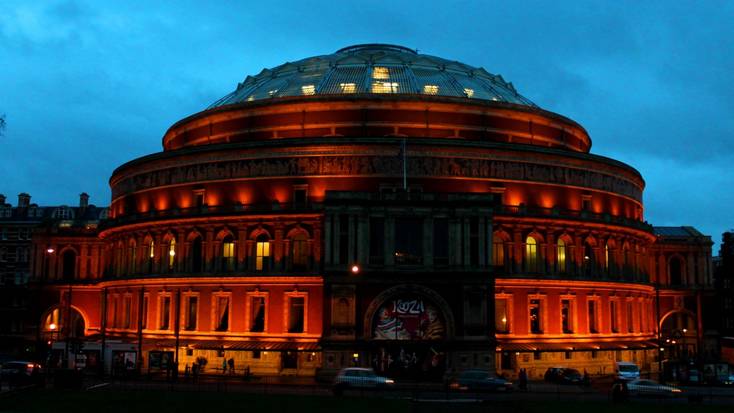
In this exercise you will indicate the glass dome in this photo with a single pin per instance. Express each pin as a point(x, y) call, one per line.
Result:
point(374, 69)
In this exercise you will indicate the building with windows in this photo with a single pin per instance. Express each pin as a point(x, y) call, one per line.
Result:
point(373, 207)
point(19, 226)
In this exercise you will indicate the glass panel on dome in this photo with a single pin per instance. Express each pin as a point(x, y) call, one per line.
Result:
point(427, 79)
point(391, 80)
point(304, 83)
point(269, 89)
point(474, 88)
point(344, 79)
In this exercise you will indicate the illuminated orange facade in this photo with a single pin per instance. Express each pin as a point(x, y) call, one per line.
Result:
point(372, 207)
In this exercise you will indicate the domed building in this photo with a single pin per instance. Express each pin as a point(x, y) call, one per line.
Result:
point(374, 207)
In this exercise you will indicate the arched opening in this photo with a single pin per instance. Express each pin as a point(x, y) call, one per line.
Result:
point(589, 259)
point(172, 254)
point(532, 261)
point(299, 252)
point(228, 254)
point(196, 258)
point(679, 336)
point(561, 256)
point(150, 256)
point(262, 253)
point(499, 253)
point(408, 330)
point(54, 323)
point(675, 269)
point(68, 265)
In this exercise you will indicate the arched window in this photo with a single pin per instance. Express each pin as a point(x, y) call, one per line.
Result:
point(196, 259)
point(150, 255)
point(68, 264)
point(262, 253)
point(228, 255)
point(561, 252)
point(132, 256)
point(675, 269)
point(532, 263)
point(498, 251)
point(589, 259)
point(299, 251)
point(171, 254)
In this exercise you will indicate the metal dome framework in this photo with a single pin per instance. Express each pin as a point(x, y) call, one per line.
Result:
point(374, 69)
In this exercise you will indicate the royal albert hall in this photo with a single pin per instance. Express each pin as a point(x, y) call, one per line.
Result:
point(371, 207)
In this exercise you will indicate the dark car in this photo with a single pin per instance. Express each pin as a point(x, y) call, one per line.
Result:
point(21, 373)
point(562, 375)
point(480, 380)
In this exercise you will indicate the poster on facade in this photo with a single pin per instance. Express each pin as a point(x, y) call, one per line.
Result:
point(408, 318)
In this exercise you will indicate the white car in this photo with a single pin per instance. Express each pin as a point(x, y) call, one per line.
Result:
point(626, 371)
point(644, 387)
point(359, 378)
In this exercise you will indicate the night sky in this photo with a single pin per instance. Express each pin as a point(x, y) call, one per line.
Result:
point(88, 85)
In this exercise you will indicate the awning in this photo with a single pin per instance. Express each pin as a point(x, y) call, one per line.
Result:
point(575, 346)
point(244, 345)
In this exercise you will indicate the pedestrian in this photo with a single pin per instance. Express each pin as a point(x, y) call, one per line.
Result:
point(523, 377)
point(195, 372)
point(224, 366)
point(230, 362)
point(187, 371)
point(247, 373)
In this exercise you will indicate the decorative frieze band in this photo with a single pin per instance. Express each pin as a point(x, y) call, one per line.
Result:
point(369, 166)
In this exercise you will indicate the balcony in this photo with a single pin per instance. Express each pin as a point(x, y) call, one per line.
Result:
point(557, 213)
point(211, 211)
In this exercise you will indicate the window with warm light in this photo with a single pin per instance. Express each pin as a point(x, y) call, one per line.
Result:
point(469, 92)
point(308, 90)
point(51, 323)
point(151, 255)
point(561, 256)
point(385, 87)
point(348, 87)
point(272, 93)
point(262, 253)
point(228, 256)
point(430, 89)
point(171, 254)
point(380, 73)
point(532, 263)
point(501, 316)
point(498, 251)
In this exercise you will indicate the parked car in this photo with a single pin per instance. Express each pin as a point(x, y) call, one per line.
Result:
point(645, 387)
point(562, 375)
point(624, 370)
point(359, 378)
point(480, 380)
point(21, 373)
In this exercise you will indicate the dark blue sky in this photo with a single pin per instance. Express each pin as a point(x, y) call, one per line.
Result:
point(88, 85)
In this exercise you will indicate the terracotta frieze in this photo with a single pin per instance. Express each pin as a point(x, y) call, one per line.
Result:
point(368, 166)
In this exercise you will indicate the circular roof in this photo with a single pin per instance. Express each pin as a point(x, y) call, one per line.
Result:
point(374, 69)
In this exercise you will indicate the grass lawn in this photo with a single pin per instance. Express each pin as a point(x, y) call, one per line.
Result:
point(113, 401)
